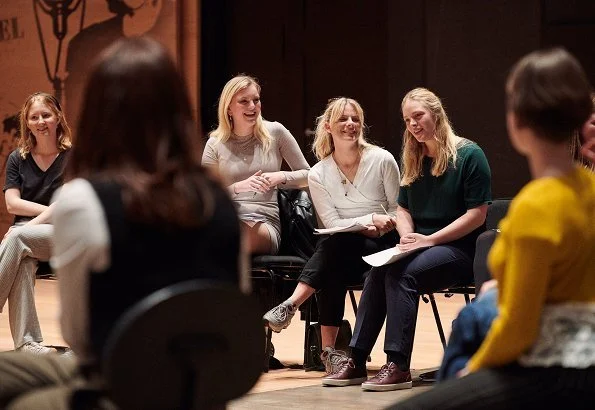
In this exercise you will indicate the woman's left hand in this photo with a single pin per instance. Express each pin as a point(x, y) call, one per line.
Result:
point(275, 178)
point(463, 372)
point(412, 241)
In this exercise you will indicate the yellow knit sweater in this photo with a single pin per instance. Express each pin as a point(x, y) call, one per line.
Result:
point(544, 255)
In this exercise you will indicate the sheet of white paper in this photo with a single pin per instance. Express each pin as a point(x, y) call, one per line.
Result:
point(356, 227)
point(388, 256)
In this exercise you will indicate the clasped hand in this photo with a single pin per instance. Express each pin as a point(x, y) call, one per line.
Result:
point(260, 182)
point(413, 240)
point(382, 225)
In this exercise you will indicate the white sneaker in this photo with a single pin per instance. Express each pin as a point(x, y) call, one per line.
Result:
point(279, 317)
point(35, 348)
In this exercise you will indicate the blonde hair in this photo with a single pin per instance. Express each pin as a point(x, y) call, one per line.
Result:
point(27, 140)
point(413, 151)
point(225, 122)
point(323, 141)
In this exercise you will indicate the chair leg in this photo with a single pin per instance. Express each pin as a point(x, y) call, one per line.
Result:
point(438, 321)
point(308, 314)
point(269, 334)
point(267, 351)
point(467, 299)
point(353, 302)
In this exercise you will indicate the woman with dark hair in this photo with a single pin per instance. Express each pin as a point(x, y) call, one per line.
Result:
point(539, 349)
point(33, 172)
point(139, 212)
point(442, 204)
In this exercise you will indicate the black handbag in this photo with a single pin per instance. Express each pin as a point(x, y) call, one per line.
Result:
point(298, 222)
point(314, 341)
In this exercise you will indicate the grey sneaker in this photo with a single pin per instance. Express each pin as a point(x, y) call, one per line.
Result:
point(35, 348)
point(279, 317)
point(332, 359)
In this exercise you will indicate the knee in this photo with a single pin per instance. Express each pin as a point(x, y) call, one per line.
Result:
point(376, 276)
point(12, 236)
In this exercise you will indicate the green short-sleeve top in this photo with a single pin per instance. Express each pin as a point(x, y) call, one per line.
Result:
point(435, 202)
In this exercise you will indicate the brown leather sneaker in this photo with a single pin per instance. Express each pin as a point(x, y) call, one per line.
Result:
point(389, 378)
point(346, 375)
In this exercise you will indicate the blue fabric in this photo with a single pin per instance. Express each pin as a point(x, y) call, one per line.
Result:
point(469, 330)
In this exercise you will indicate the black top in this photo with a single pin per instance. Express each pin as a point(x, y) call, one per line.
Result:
point(148, 257)
point(35, 185)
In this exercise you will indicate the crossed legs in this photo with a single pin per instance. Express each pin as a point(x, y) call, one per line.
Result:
point(19, 253)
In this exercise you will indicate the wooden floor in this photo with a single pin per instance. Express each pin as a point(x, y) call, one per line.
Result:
point(278, 388)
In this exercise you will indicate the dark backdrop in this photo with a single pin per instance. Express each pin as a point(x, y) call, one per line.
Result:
point(307, 51)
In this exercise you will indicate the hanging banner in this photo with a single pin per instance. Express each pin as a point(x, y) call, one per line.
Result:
point(42, 49)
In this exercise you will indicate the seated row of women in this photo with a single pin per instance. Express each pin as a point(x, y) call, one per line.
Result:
point(437, 203)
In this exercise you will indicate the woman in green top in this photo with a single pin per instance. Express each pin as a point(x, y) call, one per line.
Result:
point(442, 204)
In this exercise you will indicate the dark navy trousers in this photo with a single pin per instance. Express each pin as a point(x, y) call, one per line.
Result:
point(392, 292)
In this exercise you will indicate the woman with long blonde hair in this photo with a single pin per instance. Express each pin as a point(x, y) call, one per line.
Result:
point(356, 184)
point(538, 351)
point(33, 173)
point(248, 152)
point(442, 204)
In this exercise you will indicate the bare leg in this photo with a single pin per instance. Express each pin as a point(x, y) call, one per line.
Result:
point(301, 293)
point(258, 238)
point(329, 336)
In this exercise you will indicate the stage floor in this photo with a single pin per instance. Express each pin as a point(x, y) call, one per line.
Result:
point(287, 387)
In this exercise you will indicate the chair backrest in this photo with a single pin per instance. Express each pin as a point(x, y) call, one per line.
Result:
point(496, 211)
point(298, 221)
point(195, 344)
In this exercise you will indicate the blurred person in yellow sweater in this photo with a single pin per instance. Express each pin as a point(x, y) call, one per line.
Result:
point(539, 349)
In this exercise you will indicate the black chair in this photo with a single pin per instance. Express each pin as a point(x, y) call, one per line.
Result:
point(496, 211)
point(44, 271)
point(273, 271)
point(177, 349)
point(270, 273)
